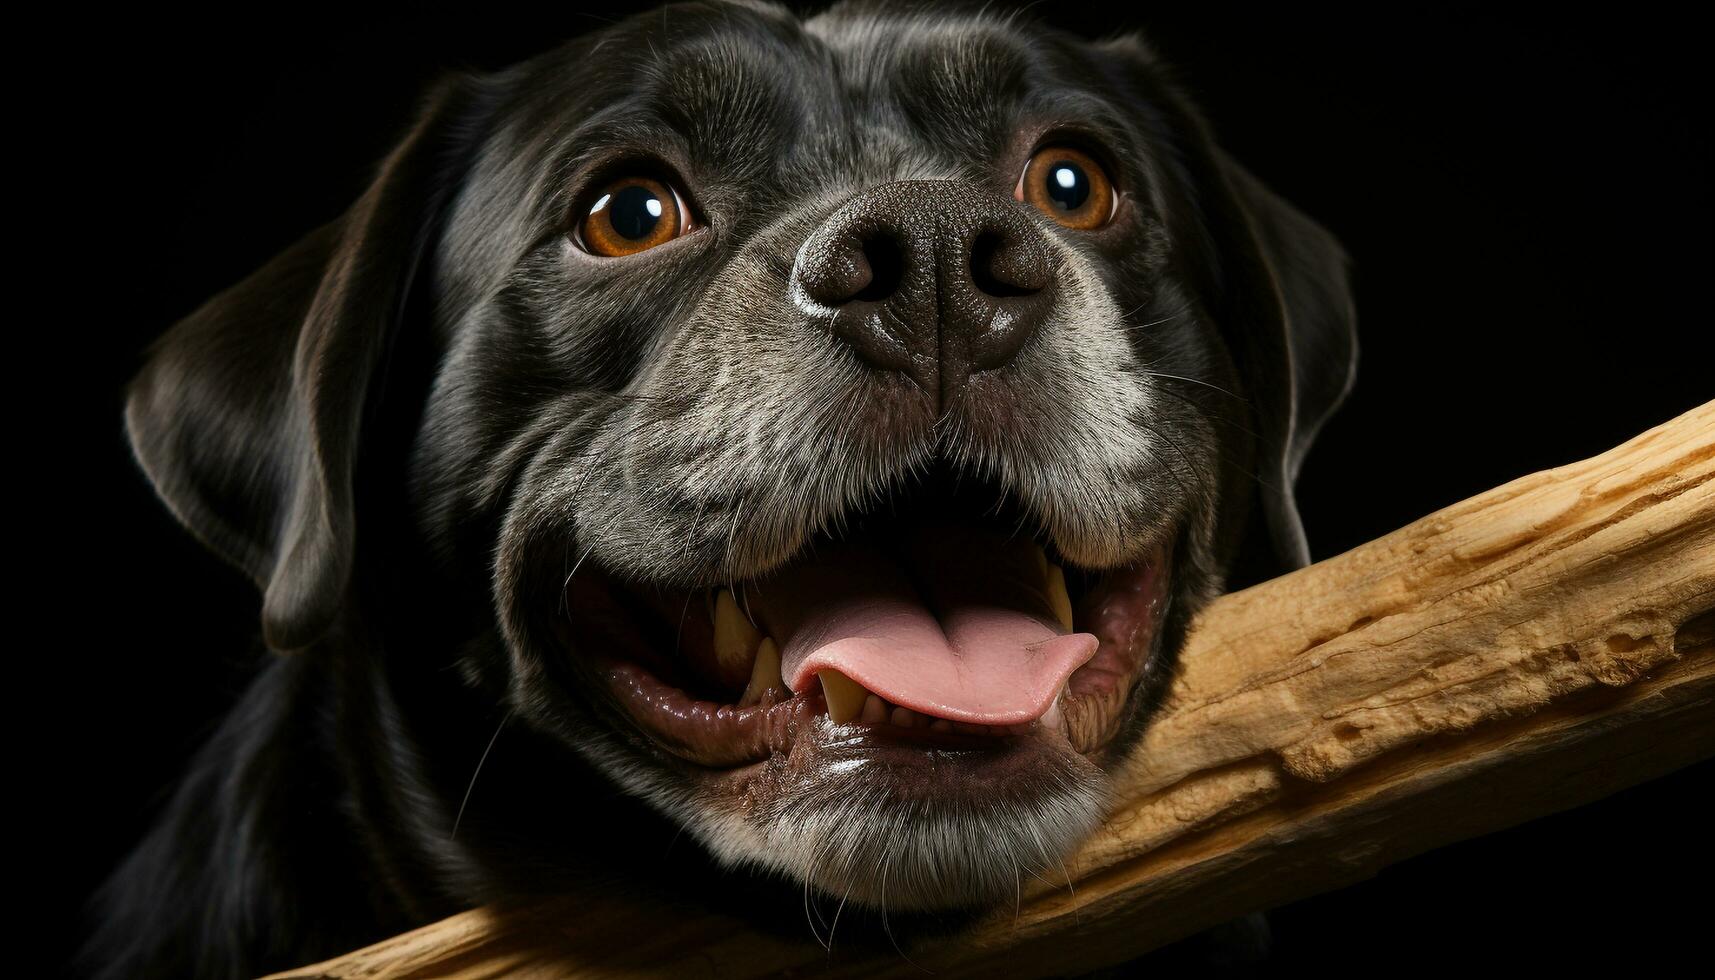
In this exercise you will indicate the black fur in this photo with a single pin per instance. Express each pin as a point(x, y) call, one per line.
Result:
point(372, 424)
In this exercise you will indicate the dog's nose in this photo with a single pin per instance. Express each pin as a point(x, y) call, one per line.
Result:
point(934, 278)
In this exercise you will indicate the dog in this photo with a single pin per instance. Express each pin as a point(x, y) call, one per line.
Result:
point(808, 437)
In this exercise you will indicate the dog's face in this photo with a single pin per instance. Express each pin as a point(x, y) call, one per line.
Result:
point(826, 428)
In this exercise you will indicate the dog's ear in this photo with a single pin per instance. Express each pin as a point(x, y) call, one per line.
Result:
point(247, 414)
point(1276, 283)
point(1291, 321)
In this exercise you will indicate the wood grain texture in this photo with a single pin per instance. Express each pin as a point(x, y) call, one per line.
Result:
point(1528, 650)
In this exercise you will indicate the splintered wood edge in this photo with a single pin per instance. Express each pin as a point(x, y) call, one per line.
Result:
point(1532, 648)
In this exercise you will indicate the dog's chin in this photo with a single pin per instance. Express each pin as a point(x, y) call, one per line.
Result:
point(795, 723)
point(905, 822)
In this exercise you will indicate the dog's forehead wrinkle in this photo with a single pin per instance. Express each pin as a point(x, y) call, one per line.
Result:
point(956, 77)
point(853, 98)
point(747, 91)
point(733, 102)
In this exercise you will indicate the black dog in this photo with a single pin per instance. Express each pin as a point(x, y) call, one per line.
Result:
point(811, 436)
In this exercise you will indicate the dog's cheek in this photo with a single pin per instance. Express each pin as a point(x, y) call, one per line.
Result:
point(550, 351)
point(1110, 463)
point(720, 466)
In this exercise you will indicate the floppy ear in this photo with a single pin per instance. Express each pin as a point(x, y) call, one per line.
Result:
point(247, 414)
point(1297, 344)
point(1275, 281)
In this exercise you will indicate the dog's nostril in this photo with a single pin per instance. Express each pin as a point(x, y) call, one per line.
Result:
point(849, 269)
point(1002, 266)
point(886, 261)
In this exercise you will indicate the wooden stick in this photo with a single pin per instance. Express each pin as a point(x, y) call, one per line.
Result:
point(1533, 648)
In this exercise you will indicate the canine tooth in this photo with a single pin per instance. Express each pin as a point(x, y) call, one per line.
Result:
point(845, 696)
point(735, 638)
point(903, 717)
point(1058, 597)
point(1053, 717)
point(874, 710)
point(765, 673)
point(1041, 560)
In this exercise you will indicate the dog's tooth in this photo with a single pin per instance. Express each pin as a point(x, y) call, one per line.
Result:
point(764, 673)
point(1058, 598)
point(735, 638)
point(874, 710)
point(903, 717)
point(845, 696)
point(1054, 717)
point(1041, 561)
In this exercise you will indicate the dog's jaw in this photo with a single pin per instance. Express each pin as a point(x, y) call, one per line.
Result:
point(947, 833)
point(896, 817)
point(904, 817)
point(919, 814)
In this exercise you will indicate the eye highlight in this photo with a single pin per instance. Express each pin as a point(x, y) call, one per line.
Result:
point(1068, 186)
point(631, 215)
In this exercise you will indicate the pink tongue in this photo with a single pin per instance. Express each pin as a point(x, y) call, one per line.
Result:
point(981, 645)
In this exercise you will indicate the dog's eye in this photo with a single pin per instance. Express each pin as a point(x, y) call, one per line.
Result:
point(1068, 186)
point(632, 214)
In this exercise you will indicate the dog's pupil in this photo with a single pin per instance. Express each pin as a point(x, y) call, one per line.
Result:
point(1068, 185)
point(634, 211)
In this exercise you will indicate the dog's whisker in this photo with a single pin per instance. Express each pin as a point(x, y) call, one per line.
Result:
point(836, 923)
point(1158, 321)
point(809, 921)
point(573, 573)
point(471, 786)
point(1195, 381)
point(1203, 412)
point(1184, 457)
point(678, 832)
point(1017, 891)
point(679, 633)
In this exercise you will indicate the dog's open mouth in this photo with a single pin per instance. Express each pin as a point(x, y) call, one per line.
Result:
point(933, 627)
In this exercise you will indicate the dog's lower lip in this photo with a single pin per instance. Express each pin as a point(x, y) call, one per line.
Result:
point(681, 714)
point(702, 731)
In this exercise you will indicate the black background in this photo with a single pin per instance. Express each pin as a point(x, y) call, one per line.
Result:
point(1526, 199)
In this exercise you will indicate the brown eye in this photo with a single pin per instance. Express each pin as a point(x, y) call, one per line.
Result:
point(630, 215)
point(1068, 186)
